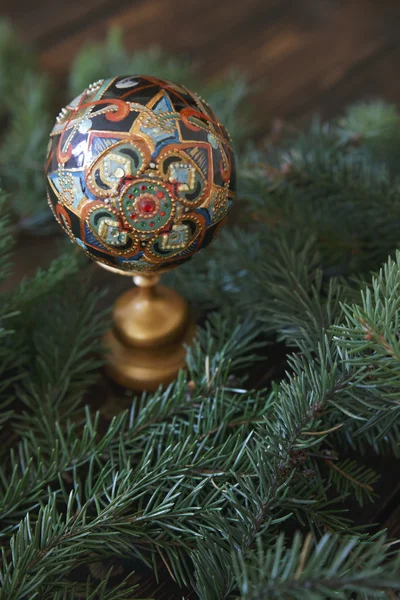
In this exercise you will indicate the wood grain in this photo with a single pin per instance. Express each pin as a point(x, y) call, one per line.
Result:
point(300, 56)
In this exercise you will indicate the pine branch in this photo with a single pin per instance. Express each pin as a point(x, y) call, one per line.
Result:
point(7, 314)
point(43, 283)
point(16, 60)
point(105, 590)
point(70, 445)
point(60, 374)
point(290, 447)
point(23, 149)
point(317, 386)
point(372, 129)
point(330, 568)
point(6, 241)
point(88, 529)
point(349, 476)
point(24, 142)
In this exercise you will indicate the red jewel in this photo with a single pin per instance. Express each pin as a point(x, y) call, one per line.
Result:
point(147, 205)
point(162, 214)
point(130, 196)
point(152, 224)
point(143, 188)
point(160, 194)
point(132, 216)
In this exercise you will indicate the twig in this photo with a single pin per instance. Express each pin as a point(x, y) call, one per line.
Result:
point(365, 486)
point(324, 432)
point(166, 564)
point(303, 556)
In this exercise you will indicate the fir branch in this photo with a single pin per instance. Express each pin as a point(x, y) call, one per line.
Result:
point(43, 283)
point(104, 590)
point(16, 60)
point(372, 130)
point(316, 386)
point(24, 142)
point(59, 375)
point(65, 449)
point(50, 542)
point(350, 476)
point(23, 148)
point(17, 306)
point(8, 361)
point(6, 241)
point(330, 568)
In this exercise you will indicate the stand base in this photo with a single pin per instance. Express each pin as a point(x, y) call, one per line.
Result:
point(151, 327)
point(145, 369)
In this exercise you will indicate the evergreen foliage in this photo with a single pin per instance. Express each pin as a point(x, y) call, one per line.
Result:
point(209, 478)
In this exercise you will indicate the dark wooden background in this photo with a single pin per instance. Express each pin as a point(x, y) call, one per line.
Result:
point(301, 56)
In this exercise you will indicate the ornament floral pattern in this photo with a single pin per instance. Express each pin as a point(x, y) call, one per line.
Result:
point(140, 173)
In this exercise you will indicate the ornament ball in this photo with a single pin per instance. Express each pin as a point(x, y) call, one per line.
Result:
point(140, 173)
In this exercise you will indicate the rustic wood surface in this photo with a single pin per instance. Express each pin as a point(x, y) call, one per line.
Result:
point(301, 56)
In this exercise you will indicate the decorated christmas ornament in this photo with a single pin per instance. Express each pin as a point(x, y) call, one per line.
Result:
point(140, 175)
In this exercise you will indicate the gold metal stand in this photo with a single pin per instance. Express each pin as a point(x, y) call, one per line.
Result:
point(151, 326)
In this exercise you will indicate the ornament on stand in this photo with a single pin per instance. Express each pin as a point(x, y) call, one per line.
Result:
point(140, 175)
